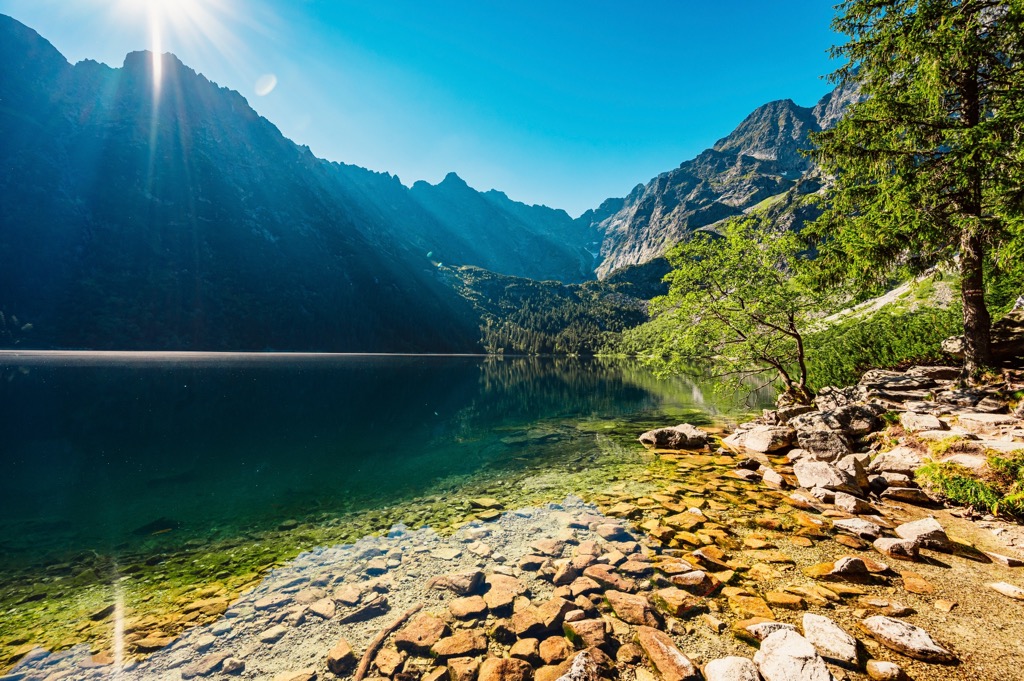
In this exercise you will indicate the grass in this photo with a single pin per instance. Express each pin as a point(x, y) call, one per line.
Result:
point(997, 490)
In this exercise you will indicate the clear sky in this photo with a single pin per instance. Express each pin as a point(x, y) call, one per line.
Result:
point(560, 102)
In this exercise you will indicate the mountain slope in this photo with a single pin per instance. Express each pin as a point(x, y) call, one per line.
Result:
point(188, 221)
point(760, 159)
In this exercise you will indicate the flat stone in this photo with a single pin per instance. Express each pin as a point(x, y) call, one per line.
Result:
point(631, 608)
point(421, 633)
point(388, 661)
point(759, 628)
point(348, 594)
point(608, 578)
point(750, 606)
point(272, 602)
point(910, 495)
point(204, 666)
point(879, 670)
point(485, 502)
point(446, 553)
point(822, 474)
point(1007, 589)
point(298, 675)
point(341, 659)
point(697, 582)
point(461, 583)
point(463, 668)
point(468, 607)
point(463, 643)
point(829, 639)
point(586, 633)
point(683, 436)
point(916, 584)
point(504, 669)
point(676, 601)
point(731, 669)
point(851, 504)
point(858, 527)
point(323, 608)
point(906, 638)
point(913, 422)
point(273, 634)
point(898, 460)
point(901, 549)
point(555, 649)
point(786, 601)
point(927, 532)
point(787, 656)
point(670, 663)
point(986, 424)
point(885, 606)
point(232, 665)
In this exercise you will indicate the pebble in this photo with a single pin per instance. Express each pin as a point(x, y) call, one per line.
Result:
point(884, 671)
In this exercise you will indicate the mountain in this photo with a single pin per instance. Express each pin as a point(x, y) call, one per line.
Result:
point(758, 161)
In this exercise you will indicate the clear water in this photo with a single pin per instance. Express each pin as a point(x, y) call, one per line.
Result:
point(106, 452)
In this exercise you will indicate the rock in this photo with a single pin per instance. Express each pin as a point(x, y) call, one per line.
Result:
point(676, 602)
point(437, 674)
point(526, 649)
point(913, 422)
point(910, 495)
point(461, 583)
point(858, 527)
point(421, 633)
point(683, 436)
point(759, 628)
point(485, 503)
point(613, 532)
point(885, 606)
point(463, 643)
point(787, 656)
point(822, 474)
point(829, 639)
point(300, 675)
point(273, 634)
point(986, 424)
point(1008, 561)
point(1010, 590)
point(631, 609)
point(824, 444)
point(906, 638)
point(854, 466)
point(586, 633)
point(902, 549)
point(785, 601)
point(341, 659)
point(504, 669)
point(851, 504)
point(323, 608)
point(665, 657)
point(608, 578)
point(388, 661)
point(884, 671)
point(374, 606)
point(555, 649)
point(899, 460)
point(772, 479)
point(468, 607)
point(697, 582)
point(232, 665)
point(463, 668)
point(584, 667)
point(766, 438)
point(927, 532)
point(348, 594)
point(731, 669)
point(204, 666)
point(857, 419)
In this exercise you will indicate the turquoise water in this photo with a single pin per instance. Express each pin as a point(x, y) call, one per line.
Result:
point(106, 452)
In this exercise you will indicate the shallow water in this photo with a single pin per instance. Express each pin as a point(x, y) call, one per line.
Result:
point(120, 452)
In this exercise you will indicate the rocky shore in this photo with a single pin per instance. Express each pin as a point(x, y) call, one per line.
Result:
point(802, 547)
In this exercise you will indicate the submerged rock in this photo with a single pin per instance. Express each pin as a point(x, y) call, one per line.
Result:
point(683, 436)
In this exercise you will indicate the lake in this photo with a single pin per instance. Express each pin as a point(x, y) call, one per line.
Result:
point(114, 460)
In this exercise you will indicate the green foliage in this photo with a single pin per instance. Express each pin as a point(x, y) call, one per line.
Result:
point(736, 303)
point(999, 490)
point(840, 354)
point(930, 162)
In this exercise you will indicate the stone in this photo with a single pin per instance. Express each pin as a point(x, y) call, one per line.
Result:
point(584, 667)
point(468, 607)
point(388, 661)
point(670, 663)
point(1007, 589)
point(628, 653)
point(1008, 561)
point(421, 633)
point(504, 669)
point(555, 649)
point(204, 666)
point(785, 601)
point(232, 665)
point(462, 643)
point(916, 584)
point(854, 465)
point(526, 649)
point(829, 639)
point(766, 438)
point(910, 495)
point(885, 606)
point(851, 504)
point(273, 634)
point(437, 674)
point(750, 606)
point(608, 578)
point(906, 638)
point(822, 474)
point(913, 422)
point(858, 527)
point(612, 532)
point(986, 424)
point(551, 612)
point(683, 436)
point(526, 623)
point(583, 586)
point(787, 656)
point(463, 668)
point(460, 583)
point(731, 669)
point(898, 460)
point(824, 444)
point(373, 606)
point(697, 582)
point(348, 594)
point(341, 659)
point(927, 532)
point(631, 608)
point(901, 549)
point(586, 633)
point(299, 675)
point(676, 602)
point(759, 628)
point(323, 608)
point(884, 671)
point(485, 502)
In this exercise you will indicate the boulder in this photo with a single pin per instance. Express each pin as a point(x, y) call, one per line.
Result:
point(822, 474)
point(632, 609)
point(766, 438)
point(786, 656)
point(902, 549)
point(829, 639)
point(906, 638)
point(463, 643)
point(683, 436)
point(854, 465)
point(910, 495)
point(731, 669)
point(913, 422)
point(583, 668)
point(926, 532)
point(824, 445)
point(898, 460)
point(665, 657)
point(851, 504)
point(858, 419)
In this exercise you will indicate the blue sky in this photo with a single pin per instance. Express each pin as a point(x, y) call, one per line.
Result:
point(564, 103)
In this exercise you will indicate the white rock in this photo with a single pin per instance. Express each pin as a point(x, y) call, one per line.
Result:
point(899, 460)
point(731, 669)
point(927, 532)
point(851, 504)
point(1008, 589)
point(906, 638)
point(767, 438)
point(787, 656)
point(913, 422)
point(884, 671)
point(858, 527)
point(822, 474)
point(829, 639)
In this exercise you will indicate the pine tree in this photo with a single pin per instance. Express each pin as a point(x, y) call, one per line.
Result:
point(929, 163)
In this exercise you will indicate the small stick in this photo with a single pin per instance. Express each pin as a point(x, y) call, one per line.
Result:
point(376, 643)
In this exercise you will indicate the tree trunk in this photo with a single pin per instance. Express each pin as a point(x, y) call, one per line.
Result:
point(977, 322)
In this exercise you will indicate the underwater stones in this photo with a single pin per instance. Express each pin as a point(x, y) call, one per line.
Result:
point(665, 657)
point(388, 661)
point(374, 606)
point(829, 639)
point(631, 609)
point(676, 602)
point(348, 594)
point(341, 659)
point(555, 649)
point(204, 666)
point(462, 643)
point(683, 436)
point(822, 474)
point(608, 578)
point(463, 668)
point(460, 583)
point(273, 634)
point(485, 503)
point(299, 675)
point(323, 608)
point(927, 532)
point(697, 582)
point(272, 601)
point(549, 547)
point(527, 649)
point(446, 553)
point(786, 655)
point(903, 637)
point(611, 532)
point(468, 607)
point(526, 622)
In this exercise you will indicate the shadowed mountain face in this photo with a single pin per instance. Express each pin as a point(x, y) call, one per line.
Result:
point(760, 159)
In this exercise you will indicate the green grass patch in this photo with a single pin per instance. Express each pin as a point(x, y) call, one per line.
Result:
point(999, 490)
